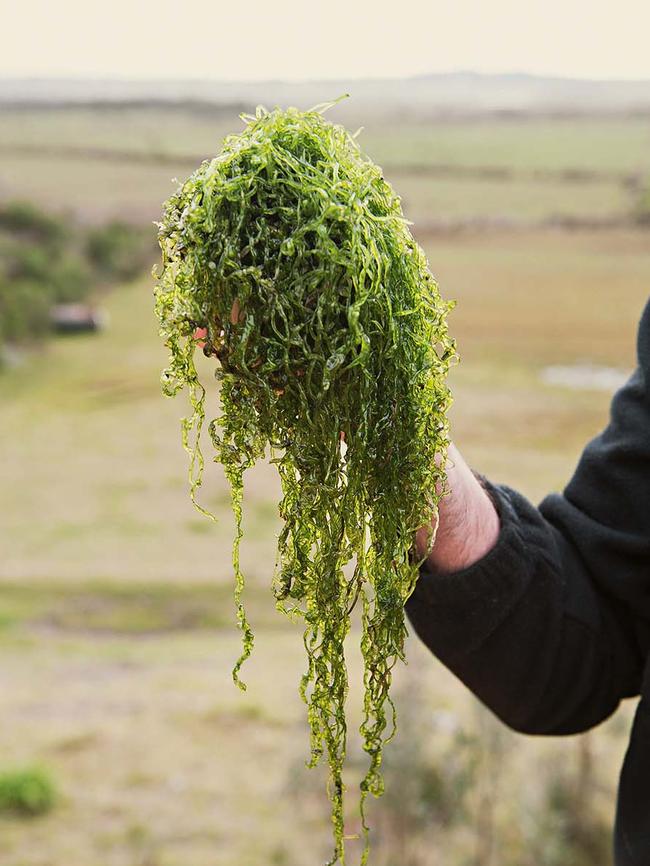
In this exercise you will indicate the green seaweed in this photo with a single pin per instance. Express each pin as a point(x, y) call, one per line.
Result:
point(291, 253)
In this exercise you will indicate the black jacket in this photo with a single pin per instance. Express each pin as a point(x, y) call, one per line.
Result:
point(551, 628)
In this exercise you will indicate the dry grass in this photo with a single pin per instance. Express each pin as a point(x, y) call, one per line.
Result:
point(160, 760)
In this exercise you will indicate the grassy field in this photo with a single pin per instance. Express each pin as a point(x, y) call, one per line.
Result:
point(441, 200)
point(98, 189)
point(117, 626)
point(617, 145)
point(525, 144)
point(121, 162)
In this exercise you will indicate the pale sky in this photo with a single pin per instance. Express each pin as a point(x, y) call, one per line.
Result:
point(298, 39)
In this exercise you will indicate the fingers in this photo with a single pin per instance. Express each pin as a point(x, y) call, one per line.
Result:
point(199, 335)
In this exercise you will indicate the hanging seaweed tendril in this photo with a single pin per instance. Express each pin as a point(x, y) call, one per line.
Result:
point(291, 252)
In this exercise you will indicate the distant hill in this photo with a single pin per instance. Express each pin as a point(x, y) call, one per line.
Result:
point(452, 94)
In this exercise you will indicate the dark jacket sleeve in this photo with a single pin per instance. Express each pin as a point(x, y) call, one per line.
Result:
point(550, 629)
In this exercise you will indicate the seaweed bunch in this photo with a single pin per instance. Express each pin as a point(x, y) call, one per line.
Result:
point(289, 256)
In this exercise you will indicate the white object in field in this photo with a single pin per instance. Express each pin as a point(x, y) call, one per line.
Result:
point(585, 377)
point(73, 318)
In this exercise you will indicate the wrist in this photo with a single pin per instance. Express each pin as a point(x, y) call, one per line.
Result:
point(467, 524)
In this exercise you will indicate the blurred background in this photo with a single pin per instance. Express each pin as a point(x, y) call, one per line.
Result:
point(519, 140)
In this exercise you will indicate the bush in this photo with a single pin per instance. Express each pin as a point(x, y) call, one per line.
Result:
point(24, 310)
point(23, 218)
point(46, 260)
point(27, 261)
point(28, 792)
point(66, 277)
point(116, 250)
point(71, 280)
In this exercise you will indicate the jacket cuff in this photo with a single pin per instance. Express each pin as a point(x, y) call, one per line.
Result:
point(469, 604)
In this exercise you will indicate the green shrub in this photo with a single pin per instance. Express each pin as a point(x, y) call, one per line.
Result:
point(29, 792)
point(46, 260)
point(71, 280)
point(116, 250)
point(24, 310)
point(64, 276)
point(27, 261)
point(24, 219)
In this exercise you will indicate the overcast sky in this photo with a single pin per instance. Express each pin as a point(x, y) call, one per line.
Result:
point(303, 39)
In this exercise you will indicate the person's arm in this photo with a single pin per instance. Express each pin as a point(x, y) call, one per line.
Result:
point(549, 624)
point(467, 525)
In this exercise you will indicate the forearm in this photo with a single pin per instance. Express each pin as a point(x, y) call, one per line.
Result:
point(467, 521)
point(549, 624)
point(525, 628)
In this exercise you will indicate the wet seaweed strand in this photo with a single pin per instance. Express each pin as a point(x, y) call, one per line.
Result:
point(291, 252)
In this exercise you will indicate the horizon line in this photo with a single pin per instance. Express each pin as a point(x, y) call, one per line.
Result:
point(457, 72)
